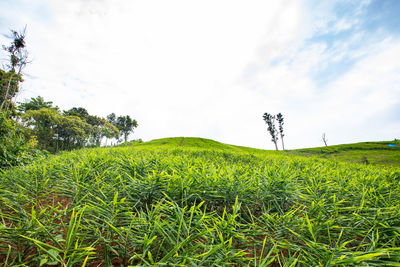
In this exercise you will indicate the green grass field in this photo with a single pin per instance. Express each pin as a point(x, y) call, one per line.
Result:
point(375, 153)
point(197, 202)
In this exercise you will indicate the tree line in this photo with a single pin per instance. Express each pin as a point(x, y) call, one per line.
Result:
point(27, 129)
point(57, 130)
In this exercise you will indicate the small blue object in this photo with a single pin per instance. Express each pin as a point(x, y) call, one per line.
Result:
point(391, 145)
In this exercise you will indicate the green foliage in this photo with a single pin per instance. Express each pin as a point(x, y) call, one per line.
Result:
point(100, 128)
point(35, 103)
point(162, 203)
point(124, 124)
point(68, 130)
point(16, 147)
point(79, 112)
point(9, 87)
point(55, 132)
point(43, 122)
point(71, 132)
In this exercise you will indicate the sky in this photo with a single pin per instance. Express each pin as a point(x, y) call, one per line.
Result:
point(212, 68)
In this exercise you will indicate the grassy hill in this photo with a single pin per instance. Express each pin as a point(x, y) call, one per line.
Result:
point(198, 202)
point(376, 153)
point(196, 142)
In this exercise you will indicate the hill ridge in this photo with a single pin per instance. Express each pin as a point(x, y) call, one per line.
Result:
point(370, 152)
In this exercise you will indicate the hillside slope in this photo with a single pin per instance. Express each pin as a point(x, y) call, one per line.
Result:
point(196, 142)
point(162, 203)
point(374, 153)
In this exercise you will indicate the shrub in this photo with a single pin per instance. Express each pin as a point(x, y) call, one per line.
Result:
point(16, 145)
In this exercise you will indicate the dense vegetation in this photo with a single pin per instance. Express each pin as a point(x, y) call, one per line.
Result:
point(27, 129)
point(189, 201)
point(58, 130)
point(37, 125)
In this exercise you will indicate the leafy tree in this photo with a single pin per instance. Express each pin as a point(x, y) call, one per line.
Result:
point(270, 121)
point(101, 128)
point(72, 132)
point(279, 118)
point(109, 131)
point(111, 118)
point(125, 125)
point(35, 103)
point(43, 123)
point(79, 112)
point(74, 128)
point(18, 60)
point(55, 131)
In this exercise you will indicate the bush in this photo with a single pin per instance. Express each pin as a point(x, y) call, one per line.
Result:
point(16, 145)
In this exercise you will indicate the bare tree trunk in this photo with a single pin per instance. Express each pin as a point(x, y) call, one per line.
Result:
point(276, 145)
point(283, 146)
point(324, 139)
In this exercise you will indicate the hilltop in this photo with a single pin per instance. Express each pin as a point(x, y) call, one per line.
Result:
point(375, 153)
point(196, 142)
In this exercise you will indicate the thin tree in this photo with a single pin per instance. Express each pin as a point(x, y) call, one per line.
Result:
point(270, 121)
point(324, 139)
point(18, 60)
point(279, 118)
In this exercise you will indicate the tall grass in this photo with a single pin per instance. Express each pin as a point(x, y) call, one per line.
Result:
point(192, 206)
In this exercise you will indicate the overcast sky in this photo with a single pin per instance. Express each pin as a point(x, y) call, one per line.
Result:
point(212, 68)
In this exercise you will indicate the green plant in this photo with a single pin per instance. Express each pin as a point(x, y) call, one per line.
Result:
point(204, 203)
point(16, 145)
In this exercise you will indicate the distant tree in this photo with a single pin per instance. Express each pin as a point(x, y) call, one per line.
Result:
point(18, 60)
point(111, 118)
point(55, 131)
point(35, 103)
point(101, 128)
point(279, 118)
point(270, 121)
point(72, 132)
point(44, 126)
point(109, 131)
point(74, 128)
point(79, 112)
point(324, 139)
point(125, 125)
